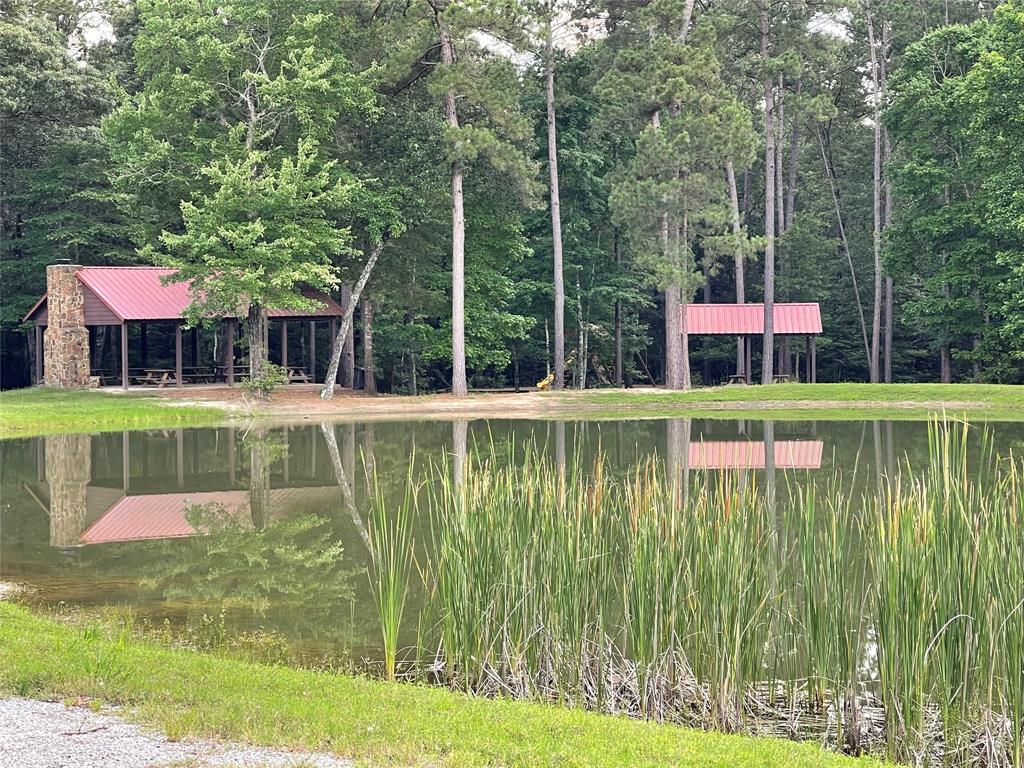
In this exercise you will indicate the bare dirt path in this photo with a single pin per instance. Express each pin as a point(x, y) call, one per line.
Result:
point(43, 734)
point(298, 402)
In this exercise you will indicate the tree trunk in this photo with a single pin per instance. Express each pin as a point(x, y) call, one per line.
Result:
point(780, 208)
point(618, 316)
point(348, 355)
point(738, 257)
point(556, 218)
point(369, 368)
point(255, 329)
point(876, 205)
point(830, 175)
point(682, 250)
point(346, 324)
point(887, 214)
point(459, 386)
point(769, 208)
point(794, 157)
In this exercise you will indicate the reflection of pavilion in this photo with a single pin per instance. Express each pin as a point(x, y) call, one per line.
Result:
point(108, 488)
point(745, 454)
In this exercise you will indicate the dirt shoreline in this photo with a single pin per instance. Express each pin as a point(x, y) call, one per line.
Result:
point(299, 403)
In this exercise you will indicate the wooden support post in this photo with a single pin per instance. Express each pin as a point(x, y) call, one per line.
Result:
point(334, 338)
point(39, 354)
point(124, 355)
point(284, 344)
point(177, 355)
point(229, 356)
point(746, 356)
point(814, 360)
point(312, 350)
point(195, 347)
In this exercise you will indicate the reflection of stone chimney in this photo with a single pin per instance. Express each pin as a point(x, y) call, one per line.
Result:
point(66, 341)
point(68, 470)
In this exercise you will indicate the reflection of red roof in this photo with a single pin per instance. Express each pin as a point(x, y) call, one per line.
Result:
point(748, 319)
point(157, 516)
point(737, 454)
point(162, 515)
point(138, 293)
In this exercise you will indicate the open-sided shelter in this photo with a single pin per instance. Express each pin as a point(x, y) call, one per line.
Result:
point(79, 300)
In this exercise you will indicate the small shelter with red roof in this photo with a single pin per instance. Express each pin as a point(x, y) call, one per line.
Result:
point(746, 321)
point(82, 300)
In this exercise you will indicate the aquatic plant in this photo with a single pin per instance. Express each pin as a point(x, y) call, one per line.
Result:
point(890, 620)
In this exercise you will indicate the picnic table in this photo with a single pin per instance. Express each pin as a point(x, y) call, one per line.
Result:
point(198, 374)
point(737, 378)
point(159, 377)
point(298, 373)
point(782, 378)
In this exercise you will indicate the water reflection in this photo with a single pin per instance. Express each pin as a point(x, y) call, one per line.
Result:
point(122, 504)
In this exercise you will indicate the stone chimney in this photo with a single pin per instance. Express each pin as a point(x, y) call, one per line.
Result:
point(66, 341)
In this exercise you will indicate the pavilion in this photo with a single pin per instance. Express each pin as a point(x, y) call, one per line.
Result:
point(81, 300)
point(746, 321)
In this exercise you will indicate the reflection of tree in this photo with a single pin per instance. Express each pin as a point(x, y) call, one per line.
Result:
point(343, 480)
point(292, 565)
point(264, 450)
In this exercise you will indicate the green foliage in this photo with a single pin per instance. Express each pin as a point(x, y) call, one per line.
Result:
point(270, 379)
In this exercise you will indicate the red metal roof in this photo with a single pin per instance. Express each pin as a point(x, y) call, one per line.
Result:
point(746, 454)
point(137, 293)
point(748, 319)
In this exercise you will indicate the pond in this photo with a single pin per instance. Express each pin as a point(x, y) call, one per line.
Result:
point(800, 578)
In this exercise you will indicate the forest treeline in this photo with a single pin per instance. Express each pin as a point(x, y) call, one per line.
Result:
point(502, 189)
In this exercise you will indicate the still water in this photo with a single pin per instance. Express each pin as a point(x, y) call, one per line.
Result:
point(97, 521)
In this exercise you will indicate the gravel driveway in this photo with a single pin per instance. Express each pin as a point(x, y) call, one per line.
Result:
point(40, 734)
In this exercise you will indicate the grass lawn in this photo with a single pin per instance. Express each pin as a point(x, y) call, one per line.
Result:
point(822, 401)
point(369, 721)
point(39, 411)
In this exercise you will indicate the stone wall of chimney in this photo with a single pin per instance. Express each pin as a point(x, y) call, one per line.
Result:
point(66, 341)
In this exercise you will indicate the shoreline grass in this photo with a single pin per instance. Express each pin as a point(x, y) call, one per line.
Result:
point(41, 411)
point(189, 694)
point(978, 402)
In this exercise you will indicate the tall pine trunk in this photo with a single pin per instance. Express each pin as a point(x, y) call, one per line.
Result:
point(768, 342)
point(738, 258)
point(618, 315)
point(886, 213)
point(556, 217)
point(876, 205)
point(459, 386)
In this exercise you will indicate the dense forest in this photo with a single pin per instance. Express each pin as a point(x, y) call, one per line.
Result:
point(504, 189)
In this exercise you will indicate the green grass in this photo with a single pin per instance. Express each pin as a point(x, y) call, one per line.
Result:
point(372, 722)
point(39, 411)
point(821, 401)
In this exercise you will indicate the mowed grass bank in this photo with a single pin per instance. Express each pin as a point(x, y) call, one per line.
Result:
point(41, 411)
point(977, 402)
point(372, 722)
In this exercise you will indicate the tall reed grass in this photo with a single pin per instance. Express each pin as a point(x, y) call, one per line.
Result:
point(891, 621)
